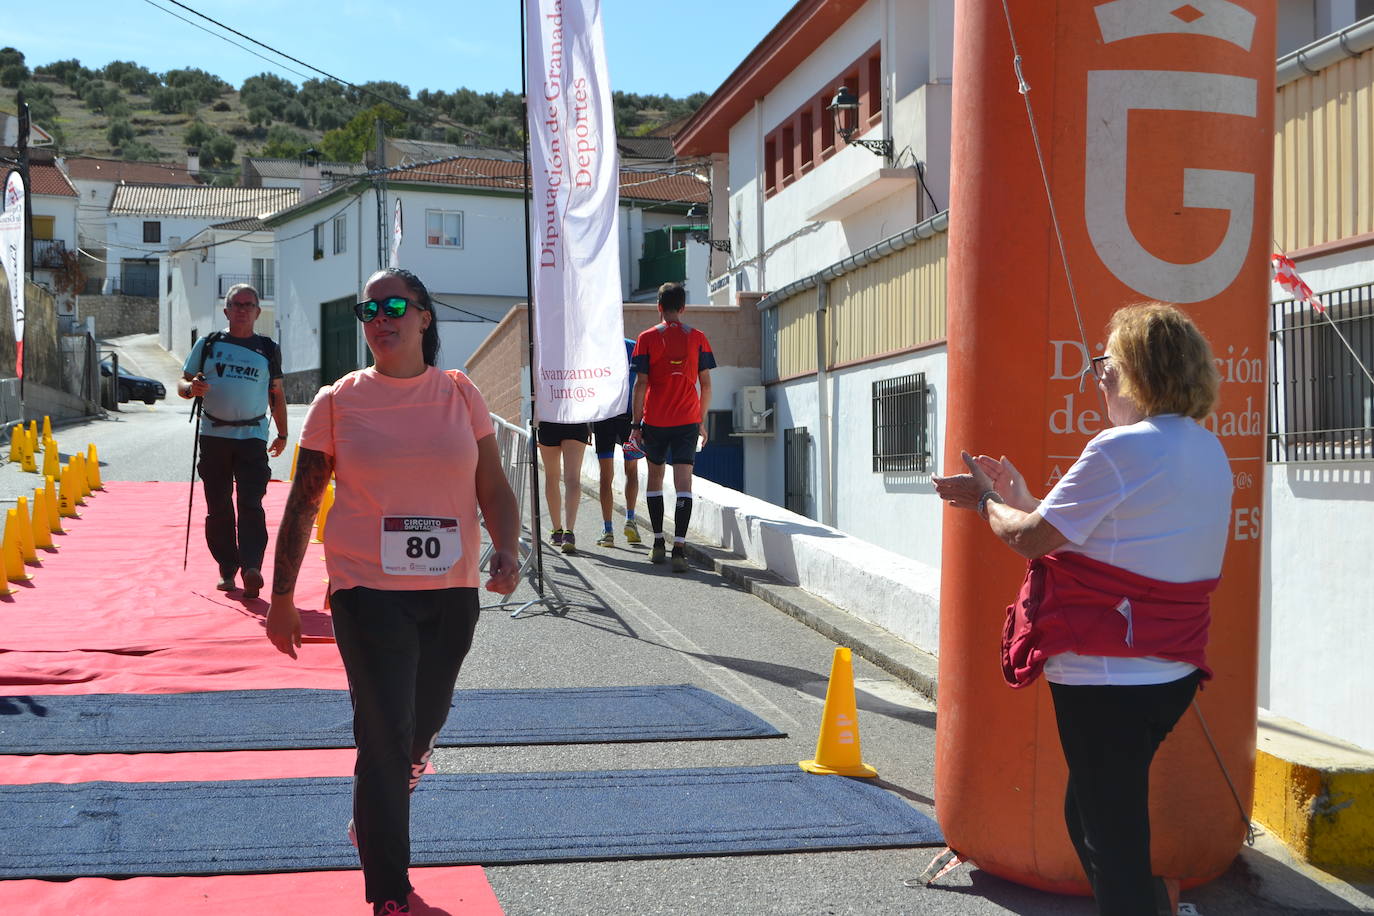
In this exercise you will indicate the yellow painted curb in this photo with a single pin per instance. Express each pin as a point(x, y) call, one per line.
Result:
point(1316, 794)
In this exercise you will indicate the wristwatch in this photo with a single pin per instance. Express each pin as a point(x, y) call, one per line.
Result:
point(636, 426)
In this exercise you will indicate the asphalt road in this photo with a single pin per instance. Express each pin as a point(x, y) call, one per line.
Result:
point(629, 622)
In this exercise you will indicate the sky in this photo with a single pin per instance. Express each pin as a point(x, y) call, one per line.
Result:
point(659, 48)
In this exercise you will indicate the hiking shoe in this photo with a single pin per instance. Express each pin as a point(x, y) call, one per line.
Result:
point(252, 583)
point(631, 534)
point(226, 583)
point(680, 563)
point(390, 908)
point(569, 542)
point(657, 554)
point(607, 539)
point(352, 833)
point(557, 537)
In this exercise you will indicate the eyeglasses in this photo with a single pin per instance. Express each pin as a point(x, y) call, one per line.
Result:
point(1096, 366)
point(243, 305)
point(391, 307)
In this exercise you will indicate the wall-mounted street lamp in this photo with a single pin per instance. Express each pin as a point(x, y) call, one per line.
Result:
point(698, 212)
point(845, 110)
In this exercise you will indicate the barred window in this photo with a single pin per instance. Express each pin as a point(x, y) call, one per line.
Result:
point(900, 440)
point(796, 452)
point(1321, 400)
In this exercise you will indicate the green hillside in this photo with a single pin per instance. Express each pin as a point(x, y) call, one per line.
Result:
point(123, 110)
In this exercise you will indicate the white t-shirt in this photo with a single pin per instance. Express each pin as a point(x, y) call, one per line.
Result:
point(1153, 498)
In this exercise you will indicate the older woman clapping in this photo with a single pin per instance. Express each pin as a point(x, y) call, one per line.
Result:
point(1125, 551)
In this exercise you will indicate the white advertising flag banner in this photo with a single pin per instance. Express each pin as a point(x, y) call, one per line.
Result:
point(12, 254)
point(396, 230)
point(579, 324)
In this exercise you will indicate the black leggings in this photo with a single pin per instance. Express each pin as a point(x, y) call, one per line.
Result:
point(1110, 735)
point(402, 652)
point(224, 464)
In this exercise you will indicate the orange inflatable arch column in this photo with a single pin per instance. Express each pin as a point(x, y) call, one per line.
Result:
point(1155, 124)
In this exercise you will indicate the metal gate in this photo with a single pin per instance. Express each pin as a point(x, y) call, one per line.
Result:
point(338, 340)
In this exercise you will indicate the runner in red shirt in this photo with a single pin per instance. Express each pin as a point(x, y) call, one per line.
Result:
point(671, 362)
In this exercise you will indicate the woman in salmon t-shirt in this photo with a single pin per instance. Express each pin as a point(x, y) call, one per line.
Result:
point(414, 457)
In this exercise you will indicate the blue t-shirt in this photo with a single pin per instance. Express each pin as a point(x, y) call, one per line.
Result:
point(630, 356)
point(239, 370)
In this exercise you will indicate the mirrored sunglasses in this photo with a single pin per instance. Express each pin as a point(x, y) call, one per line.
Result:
point(391, 307)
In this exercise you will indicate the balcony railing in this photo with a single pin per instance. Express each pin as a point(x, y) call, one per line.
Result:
point(265, 284)
point(48, 253)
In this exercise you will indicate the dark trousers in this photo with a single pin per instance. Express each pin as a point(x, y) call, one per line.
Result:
point(1110, 735)
point(402, 652)
point(227, 464)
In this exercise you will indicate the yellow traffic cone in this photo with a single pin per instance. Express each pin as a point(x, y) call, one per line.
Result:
point(67, 498)
point(326, 504)
point(33, 430)
point(837, 749)
point(78, 465)
point(25, 526)
point(47, 428)
point(42, 531)
point(52, 464)
point(26, 459)
point(17, 437)
point(295, 453)
point(93, 468)
point(14, 559)
point(54, 516)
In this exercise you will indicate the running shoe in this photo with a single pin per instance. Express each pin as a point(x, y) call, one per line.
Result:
point(680, 564)
point(557, 537)
point(607, 539)
point(631, 533)
point(352, 833)
point(390, 908)
point(252, 583)
point(657, 554)
point(569, 542)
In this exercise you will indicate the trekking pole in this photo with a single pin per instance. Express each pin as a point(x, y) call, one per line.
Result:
point(191, 495)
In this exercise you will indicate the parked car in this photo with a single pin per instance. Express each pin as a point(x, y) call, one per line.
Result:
point(135, 387)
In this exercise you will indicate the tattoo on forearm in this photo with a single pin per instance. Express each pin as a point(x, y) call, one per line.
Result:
point(313, 470)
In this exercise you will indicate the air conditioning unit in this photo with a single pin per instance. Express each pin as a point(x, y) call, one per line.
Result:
point(751, 415)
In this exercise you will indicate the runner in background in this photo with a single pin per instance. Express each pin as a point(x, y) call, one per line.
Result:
point(609, 434)
point(560, 448)
point(669, 414)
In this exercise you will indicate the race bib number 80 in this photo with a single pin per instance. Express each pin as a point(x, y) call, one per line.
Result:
point(419, 545)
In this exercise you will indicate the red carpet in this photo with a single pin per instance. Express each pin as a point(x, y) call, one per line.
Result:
point(455, 891)
point(111, 611)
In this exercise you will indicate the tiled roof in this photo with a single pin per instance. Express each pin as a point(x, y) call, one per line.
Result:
point(491, 173)
point(291, 168)
point(646, 147)
point(412, 151)
point(46, 178)
point(247, 224)
point(199, 201)
point(84, 169)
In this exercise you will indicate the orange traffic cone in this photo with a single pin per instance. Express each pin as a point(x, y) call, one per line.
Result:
point(42, 531)
point(14, 560)
point(52, 463)
point(837, 749)
point(77, 463)
point(26, 446)
point(326, 503)
point(25, 527)
point(54, 516)
point(67, 497)
point(93, 468)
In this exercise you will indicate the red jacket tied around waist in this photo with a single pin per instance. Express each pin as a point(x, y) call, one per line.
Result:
point(1072, 603)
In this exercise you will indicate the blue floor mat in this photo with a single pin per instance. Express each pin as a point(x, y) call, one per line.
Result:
point(252, 826)
point(277, 719)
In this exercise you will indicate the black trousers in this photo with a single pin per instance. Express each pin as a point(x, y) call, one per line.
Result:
point(226, 465)
point(402, 652)
point(1110, 735)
